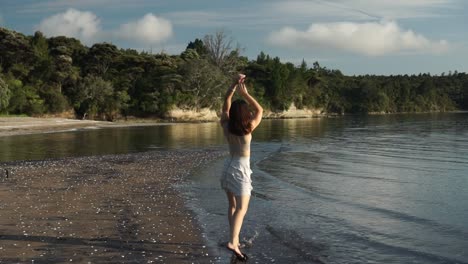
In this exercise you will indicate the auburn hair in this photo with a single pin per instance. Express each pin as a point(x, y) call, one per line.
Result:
point(239, 118)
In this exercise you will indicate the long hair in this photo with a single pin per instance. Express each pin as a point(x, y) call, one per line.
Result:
point(239, 118)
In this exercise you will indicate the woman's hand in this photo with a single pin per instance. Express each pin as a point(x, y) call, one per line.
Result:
point(237, 83)
point(241, 78)
point(242, 89)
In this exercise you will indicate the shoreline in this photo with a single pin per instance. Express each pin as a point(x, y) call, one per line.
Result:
point(12, 126)
point(111, 208)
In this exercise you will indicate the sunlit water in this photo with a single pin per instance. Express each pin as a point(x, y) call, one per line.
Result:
point(92, 141)
point(379, 189)
point(384, 189)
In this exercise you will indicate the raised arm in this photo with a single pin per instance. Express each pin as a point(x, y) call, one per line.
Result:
point(228, 98)
point(258, 110)
point(227, 103)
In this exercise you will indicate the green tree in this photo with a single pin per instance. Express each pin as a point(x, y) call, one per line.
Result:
point(54, 100)
point(100, 59)
point(115, 104)
point(15, 49)
point(5, 95)
point(92, 97)
point(155, 91)
point(70, 47)
point(198, 46)
point(40, 45)
point(44, 75)
point(24, 99)
point(297, 89)
point(190, 54)
point(277, 90)
point(203, 85)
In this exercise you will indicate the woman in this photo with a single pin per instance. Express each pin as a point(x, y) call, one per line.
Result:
point(238, 123)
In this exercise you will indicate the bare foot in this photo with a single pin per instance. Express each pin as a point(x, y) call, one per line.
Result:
point(234, 249)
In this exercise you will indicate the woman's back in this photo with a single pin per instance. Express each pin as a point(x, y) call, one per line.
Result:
point(238, 145)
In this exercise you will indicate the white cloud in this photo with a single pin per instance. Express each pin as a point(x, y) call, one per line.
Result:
point(86, 26)
point(371, 39)
point(148, 30)
point(82, 25)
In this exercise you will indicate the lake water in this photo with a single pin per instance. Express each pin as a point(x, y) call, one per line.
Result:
point(381, 189)
point(376, 189)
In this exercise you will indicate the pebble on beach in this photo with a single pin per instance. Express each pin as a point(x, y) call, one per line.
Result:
point(113, 208)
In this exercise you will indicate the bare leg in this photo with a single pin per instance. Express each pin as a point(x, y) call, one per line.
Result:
point(242, 204)
point(231, 208)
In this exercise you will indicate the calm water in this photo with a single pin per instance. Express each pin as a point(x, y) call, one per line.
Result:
point(381, 189)
point(84, 142)
point(390, 189)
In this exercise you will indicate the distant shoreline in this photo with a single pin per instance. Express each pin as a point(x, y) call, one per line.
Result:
point(11, 126)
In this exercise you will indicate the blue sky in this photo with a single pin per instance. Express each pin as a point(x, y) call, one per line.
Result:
point(354, 36)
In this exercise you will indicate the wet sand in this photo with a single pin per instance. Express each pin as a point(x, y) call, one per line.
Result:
point(101, 209)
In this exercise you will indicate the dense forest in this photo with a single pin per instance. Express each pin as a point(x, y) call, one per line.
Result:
point(57, 75)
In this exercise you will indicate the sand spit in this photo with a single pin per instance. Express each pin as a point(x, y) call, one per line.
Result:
point(10, 126)
point(101, 209)
point(29, 125)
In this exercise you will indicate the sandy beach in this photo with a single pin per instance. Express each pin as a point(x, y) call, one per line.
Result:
point(10, 126)
point(101, 209)
point(29, 125)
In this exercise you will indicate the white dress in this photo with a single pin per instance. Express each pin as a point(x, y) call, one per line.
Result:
point(236, 173)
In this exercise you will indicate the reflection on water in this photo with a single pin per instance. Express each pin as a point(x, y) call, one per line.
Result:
point(86, 142)
point(363, 189)
point(368, 189)
point(278, 130)
point(109, 141)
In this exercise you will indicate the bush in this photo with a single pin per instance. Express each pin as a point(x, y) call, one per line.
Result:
point(5, 95)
